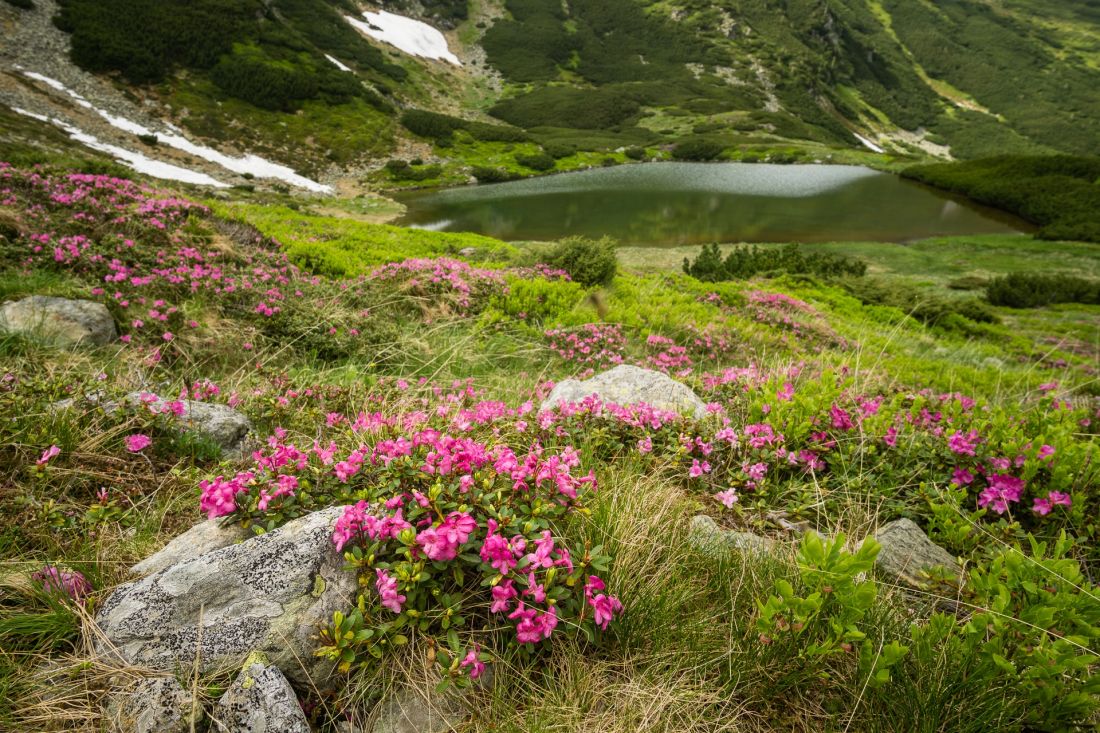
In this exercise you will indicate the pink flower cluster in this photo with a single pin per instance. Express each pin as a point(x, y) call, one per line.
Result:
point(593, 344)
point(444, 277)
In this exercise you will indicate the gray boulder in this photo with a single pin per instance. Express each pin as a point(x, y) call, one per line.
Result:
point(907, 553)
point(60, 321)
point(260, 700)
point(270, 593)
point(210, 535)
point(154, 705)
point(220, 424)
point(628, 385)
point(710, 539)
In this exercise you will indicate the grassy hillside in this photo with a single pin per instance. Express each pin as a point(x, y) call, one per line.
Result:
point(829, 412)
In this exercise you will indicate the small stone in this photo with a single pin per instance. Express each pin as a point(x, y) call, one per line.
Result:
point(710, 539)
point(210, 535)
point(60, 321)
point(907, 553)
point(260, 700)
point(420, 711)
point(154, 705)
point(629, 385)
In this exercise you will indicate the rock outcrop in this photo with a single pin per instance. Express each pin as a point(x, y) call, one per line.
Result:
point(270, 594)
point(218, 423)
point(907, 553)
point(154, 705)
point(260, 700)
point(629, 385)
point(213, 534)
point(710, 539)
point(59, 321)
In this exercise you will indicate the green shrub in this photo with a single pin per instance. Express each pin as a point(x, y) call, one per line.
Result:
point(742, 263)
point(441, 128)
point(635, 153)
point(1034, 290)
point(536, 161)
point(589, 262)
point(400, 170)
point(929, 309)
point(489, 174)
point(698, 149)
point(557, 150)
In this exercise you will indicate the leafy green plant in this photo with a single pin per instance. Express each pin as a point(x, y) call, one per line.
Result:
point(1034, 290)
point(1038, 622)
point(742, 263)
point(823, 618)
point(588, 261)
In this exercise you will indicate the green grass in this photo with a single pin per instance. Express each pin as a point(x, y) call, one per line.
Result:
point(340, 247)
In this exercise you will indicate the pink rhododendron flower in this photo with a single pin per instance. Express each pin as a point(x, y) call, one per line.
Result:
point(1002, 491)
point(698, 468)
point(502, 596)
point(728, 498)
point(471, 661)
point(48, 455)
point(962, 477)
point(70, 582)
point(138, 443)
point(387, 589)
point(1055, 498)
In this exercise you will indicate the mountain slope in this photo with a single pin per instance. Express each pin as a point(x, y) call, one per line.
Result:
point(295, 81)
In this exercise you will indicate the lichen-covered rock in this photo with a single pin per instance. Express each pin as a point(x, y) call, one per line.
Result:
point(420, 711)
point(270, 593)
point(59, 320)
point(205, 536)
point(218, 423)
point(907, 553)
point(154, 705)
point(629, 385)
point(710, 539)
point(260, 700)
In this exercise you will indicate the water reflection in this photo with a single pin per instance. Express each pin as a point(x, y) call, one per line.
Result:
point(693, 203)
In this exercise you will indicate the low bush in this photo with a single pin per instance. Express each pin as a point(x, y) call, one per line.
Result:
point(489, 174)
point(441, 128)
point(742, 263)
point(536, 161)
point(1033, 290)
point(401, 170)
point(929, 309)
point(699, 149)
point(635, 153)
point(589, 262)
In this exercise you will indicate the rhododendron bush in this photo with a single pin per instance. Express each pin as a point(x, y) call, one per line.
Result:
point(448, 533)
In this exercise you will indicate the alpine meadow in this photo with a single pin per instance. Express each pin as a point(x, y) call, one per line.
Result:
point(549, 366)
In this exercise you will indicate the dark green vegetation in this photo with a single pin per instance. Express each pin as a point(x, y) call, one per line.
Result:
point(1061, 194)
point(1031, 290)
point(441, 128)
point(588, 262)
point(744, 263)
point(267, 54)
point(738, 79)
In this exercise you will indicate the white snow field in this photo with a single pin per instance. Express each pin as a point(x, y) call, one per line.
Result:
point(337, 63)
point(137, 161)
point(411, 36)
point(252, 164)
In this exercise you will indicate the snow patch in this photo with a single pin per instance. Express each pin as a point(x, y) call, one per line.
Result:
point(411, 36)
point(137, 161)
point(252, 164)
point(337, 63)
point(868, 143)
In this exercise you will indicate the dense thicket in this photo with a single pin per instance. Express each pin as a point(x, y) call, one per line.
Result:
point(1059, 193)
point(270, 54)
point(745, 262)
point(1032, 290)
point(441, 128)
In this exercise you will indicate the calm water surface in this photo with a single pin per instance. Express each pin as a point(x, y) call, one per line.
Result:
point(693, 203)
